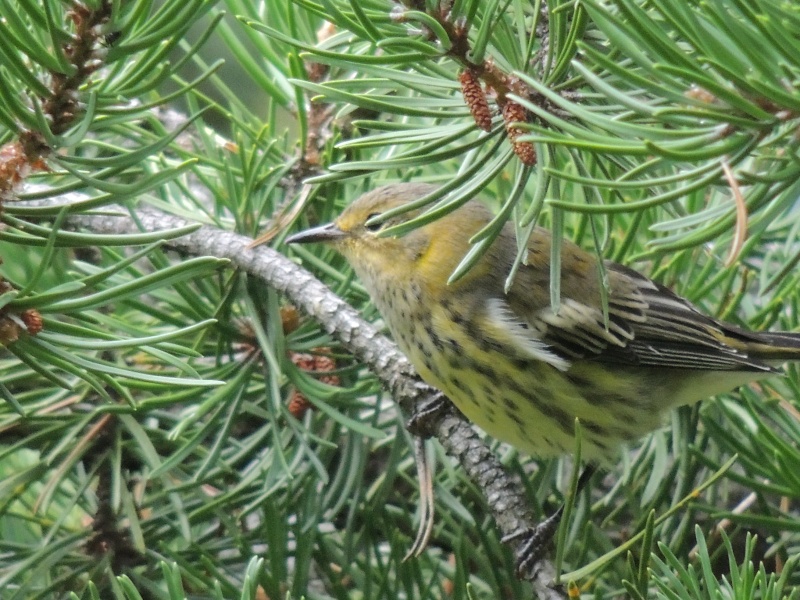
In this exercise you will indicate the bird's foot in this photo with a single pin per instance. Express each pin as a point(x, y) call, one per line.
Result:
point(533, 543)
point(423, 420)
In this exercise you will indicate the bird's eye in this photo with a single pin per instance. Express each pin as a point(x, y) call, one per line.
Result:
point(373, 226)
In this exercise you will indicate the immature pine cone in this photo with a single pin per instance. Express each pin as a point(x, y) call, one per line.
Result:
point(515, 113)
point(475, 99)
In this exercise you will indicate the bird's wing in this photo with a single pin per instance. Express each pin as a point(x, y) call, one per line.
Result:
point(672, 332)
point(648, 325)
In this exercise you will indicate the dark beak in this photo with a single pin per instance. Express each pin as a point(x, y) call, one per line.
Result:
point(323, 233)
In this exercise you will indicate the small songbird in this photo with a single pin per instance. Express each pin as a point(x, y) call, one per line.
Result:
point(519, 369)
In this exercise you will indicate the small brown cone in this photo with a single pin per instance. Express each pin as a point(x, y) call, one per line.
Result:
point(475, 99)
point(298, 405)
point(314, 363)
point(33, 320)
point(514, 113)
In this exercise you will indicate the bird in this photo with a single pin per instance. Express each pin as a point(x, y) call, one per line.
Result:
point(520, 368)
point(516, 366)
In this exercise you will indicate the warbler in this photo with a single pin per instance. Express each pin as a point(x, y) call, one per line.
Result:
point(522, 370)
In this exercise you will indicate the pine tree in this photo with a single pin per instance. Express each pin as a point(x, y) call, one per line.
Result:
point(185, 414)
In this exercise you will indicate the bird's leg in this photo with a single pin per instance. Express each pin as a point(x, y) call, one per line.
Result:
point(423, 420)
point(534, 540)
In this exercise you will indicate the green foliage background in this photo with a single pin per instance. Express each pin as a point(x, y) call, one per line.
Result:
point(146, 447)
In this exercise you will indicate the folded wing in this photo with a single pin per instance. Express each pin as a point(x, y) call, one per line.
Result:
point(648, 325)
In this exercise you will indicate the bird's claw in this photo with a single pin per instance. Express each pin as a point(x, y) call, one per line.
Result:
point(532, 543)
point(422, 421)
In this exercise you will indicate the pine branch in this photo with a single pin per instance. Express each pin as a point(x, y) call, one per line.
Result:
point(503, 492)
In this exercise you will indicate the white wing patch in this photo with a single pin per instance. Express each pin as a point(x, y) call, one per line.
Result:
point(586, 322)
point(523, 336)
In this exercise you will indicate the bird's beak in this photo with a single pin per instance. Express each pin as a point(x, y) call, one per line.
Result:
point(323, 233)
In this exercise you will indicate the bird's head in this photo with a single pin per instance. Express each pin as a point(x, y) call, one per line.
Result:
point(430, 252)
